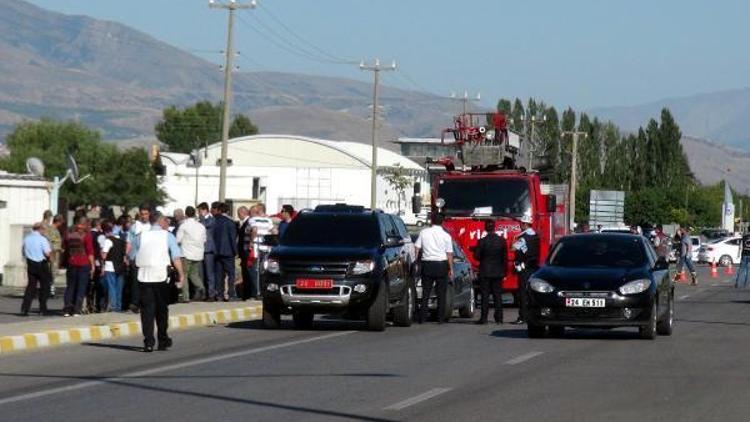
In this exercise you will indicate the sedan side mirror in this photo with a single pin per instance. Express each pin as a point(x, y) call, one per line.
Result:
point(661, 264)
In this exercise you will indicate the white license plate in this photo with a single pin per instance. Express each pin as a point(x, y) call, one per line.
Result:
point(582, 302)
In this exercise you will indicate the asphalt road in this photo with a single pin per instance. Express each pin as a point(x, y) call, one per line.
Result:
point(457, 371)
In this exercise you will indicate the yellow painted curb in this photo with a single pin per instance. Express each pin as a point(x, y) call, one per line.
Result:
point(32, 341)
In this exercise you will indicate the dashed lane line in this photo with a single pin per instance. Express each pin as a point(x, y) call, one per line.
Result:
point(427, 395)
point(167, 368)
point(523, 358)
point(683, 297)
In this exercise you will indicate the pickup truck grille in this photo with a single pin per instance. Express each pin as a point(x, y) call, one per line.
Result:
point(314, 269)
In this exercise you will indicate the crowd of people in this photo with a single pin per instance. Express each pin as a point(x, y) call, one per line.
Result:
point(219, 255)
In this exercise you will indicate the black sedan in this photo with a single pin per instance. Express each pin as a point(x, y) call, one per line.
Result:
point(460, 291)
point(604, 281)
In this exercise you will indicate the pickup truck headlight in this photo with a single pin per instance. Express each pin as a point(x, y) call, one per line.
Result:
point(363, 267)
point(541, 286)
point(271, 265)
point(635, 287)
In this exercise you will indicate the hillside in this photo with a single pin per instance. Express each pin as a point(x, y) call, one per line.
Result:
point(118, 80)
point(719, 116)
point(710, 162)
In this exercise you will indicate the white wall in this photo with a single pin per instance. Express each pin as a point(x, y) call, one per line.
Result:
point(26, 202)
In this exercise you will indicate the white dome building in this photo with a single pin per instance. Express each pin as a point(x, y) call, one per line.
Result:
point(288, 169)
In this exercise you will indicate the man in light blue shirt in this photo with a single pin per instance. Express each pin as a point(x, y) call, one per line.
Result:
point(36, 249)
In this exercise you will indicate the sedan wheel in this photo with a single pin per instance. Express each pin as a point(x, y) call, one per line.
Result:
point(664, 328)
point(467, 311)
point(725, 261)
point(648, 332)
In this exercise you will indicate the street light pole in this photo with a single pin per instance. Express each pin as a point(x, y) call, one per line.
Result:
point(231, 6)
point(573, 175)
point(375, 69)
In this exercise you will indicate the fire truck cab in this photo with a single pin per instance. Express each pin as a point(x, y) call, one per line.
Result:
point(486, 184)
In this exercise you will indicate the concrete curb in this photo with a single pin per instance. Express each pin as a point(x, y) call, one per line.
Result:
point(33, 341)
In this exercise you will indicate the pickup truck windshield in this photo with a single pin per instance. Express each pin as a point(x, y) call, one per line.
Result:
point(498, 197)
point(332, 230)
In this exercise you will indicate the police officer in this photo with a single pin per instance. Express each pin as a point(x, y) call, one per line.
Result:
point(155, 249)
point(491, 252)
point(526, 247)
point(436, 247)
point(37, 250)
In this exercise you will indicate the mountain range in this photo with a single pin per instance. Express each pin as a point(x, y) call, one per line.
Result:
point(117, 80)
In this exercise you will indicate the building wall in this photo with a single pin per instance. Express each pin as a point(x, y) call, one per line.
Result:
point(26, 202)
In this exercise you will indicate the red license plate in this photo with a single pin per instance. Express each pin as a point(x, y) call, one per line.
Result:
point(314, 283)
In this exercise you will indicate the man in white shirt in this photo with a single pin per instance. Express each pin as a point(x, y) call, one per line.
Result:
point(142, 224)
point(155, 250)
point(260, 225)
point(436, 247)
point(191, 236)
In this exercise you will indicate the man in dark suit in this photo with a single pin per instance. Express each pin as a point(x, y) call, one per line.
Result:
point(225, 244)
point(244, 249)
point(492, 253)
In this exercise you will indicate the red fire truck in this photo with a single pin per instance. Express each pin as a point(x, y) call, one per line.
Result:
point(482, 181)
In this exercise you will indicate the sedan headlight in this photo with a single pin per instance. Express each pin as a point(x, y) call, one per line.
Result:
point(541, 286)
point(363, 267)
point(271, 265)
point(635, 287)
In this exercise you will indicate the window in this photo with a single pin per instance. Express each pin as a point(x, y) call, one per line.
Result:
point(599, 252)
point(402, 231)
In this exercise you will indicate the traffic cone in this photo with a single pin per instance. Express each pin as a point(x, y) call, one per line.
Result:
point(714, 270)
point(681, 277)
point(729, 270)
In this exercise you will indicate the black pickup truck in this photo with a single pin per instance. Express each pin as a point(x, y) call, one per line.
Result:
point(340, 259)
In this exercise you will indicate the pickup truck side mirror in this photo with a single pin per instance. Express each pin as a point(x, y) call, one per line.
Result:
point(416, 204)
point(551, 203)
point(393, 241)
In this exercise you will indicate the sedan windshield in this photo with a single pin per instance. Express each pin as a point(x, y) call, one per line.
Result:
point(501, 197)
point(599, 252)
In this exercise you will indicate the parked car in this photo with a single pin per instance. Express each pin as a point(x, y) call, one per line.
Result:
point(460, 294)
point(724, 251)
point(344, 260)
point(697, 243)
point(602, 281)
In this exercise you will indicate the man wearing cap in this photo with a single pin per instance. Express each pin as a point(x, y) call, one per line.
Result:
point(37, 250)
point(526, 247)
point(155, 249)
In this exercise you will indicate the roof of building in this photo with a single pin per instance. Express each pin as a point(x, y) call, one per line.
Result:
point(4, 175)
point(298, 151)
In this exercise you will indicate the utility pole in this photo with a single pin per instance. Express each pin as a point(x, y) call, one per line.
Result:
point(231, 6)
point(465, 100)
point(534, 120)
point(375, 69)
point(573, 179)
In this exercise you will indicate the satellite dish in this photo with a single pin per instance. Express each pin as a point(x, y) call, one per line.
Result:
point(73, 170)
point(35, 166)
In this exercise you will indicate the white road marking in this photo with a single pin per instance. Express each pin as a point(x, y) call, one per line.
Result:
point(523, 358)
point(417, 399)
point(166, 368)
point(683, 297)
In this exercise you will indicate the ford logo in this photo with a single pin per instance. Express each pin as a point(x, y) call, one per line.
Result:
point(317, 269)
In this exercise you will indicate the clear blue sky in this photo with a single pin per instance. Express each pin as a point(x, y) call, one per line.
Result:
point(583, 53)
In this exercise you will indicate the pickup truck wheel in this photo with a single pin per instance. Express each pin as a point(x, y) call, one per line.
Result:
point(648, 332)
point(303, 320)
point(404, 314)
point(271, 317)
point(377, 310)
point(467, 311)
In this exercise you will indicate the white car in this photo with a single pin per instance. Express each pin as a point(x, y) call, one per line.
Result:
point(697, 245)
point(722, 251)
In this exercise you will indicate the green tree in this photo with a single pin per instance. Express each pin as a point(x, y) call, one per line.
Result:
point(117, 178)
point(184, 129)
point(398, 179)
